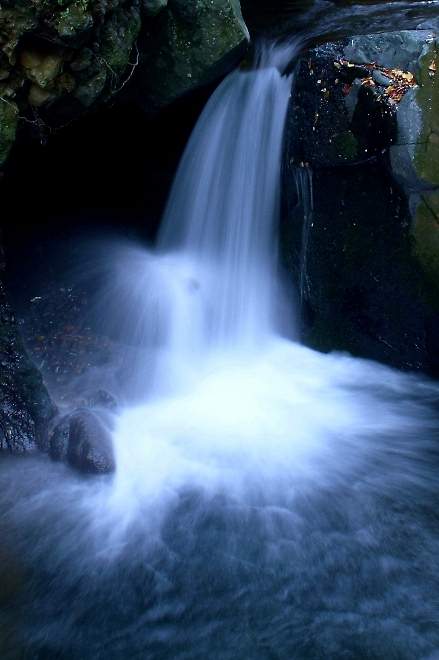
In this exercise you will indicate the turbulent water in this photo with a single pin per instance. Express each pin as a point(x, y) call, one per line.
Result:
point(329, 19)
point(269, 501)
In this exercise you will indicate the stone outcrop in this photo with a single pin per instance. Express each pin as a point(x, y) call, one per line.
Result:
point(61, 58)
point(362, 124)
point(192, 45)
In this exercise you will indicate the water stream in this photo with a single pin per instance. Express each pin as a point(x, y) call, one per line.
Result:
point(269, 501)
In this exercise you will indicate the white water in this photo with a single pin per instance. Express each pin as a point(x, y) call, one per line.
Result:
point(232, 406)
point(216, 302)
point(269, 501)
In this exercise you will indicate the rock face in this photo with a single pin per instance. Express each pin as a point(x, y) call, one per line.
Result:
point(362, 128)
point(25, 406)
point(82, 440)
point(59, 58)
point(193, 44)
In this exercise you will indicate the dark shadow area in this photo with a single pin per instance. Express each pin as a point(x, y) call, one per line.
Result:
point(108, 173)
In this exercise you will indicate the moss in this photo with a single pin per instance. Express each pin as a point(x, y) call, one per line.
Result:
point(426, 247)
point(346, 145)
point(191, 48)
point(14, 23)
point(8, 128)
point(89, 91)
point(74, 19)
point(426, 159)
point(54, 53)
point(118, 38)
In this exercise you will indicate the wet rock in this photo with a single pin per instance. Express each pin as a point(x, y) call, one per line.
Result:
point(381, 79)
point(194, 44)
point(25, 406)
point(426, 239)
point(366, 257)
point(59, 440)
point(82, 440)
point(154, 7)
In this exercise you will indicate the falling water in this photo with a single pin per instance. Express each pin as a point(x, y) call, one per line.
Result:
point(223, 211)
point(269, 501)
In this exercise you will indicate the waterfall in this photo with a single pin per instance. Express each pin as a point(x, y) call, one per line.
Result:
point(231, 405)
point(217, 248)
point(268, 500)
point(223, 212)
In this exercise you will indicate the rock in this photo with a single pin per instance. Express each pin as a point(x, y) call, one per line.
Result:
point(367, 258)
point(65, 58)
point(25, 406)
point(154, 7)
point(59, 440)
point(100, 399)
point(82, 440)
point(8, 127)
point(41, 68)
point(395, 50)
point(426, 235)
point(381, 79)
point(74, 18)
point(194, 44)
point(38, 97)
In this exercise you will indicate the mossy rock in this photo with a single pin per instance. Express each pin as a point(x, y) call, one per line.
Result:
point(426, 234)
point(66, 57)
point(194, 44)
point(74, 19)
point(118, 36)
point(426, 159)
point(8, 128)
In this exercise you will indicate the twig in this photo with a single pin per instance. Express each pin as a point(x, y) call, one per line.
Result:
point(133, 66)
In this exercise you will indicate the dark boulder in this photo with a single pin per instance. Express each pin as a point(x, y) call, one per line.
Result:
point(83, 441)
point(359, 183)
point(189, 45)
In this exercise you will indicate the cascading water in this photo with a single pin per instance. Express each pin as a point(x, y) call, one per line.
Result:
point(269, 501)
point(223, 212)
